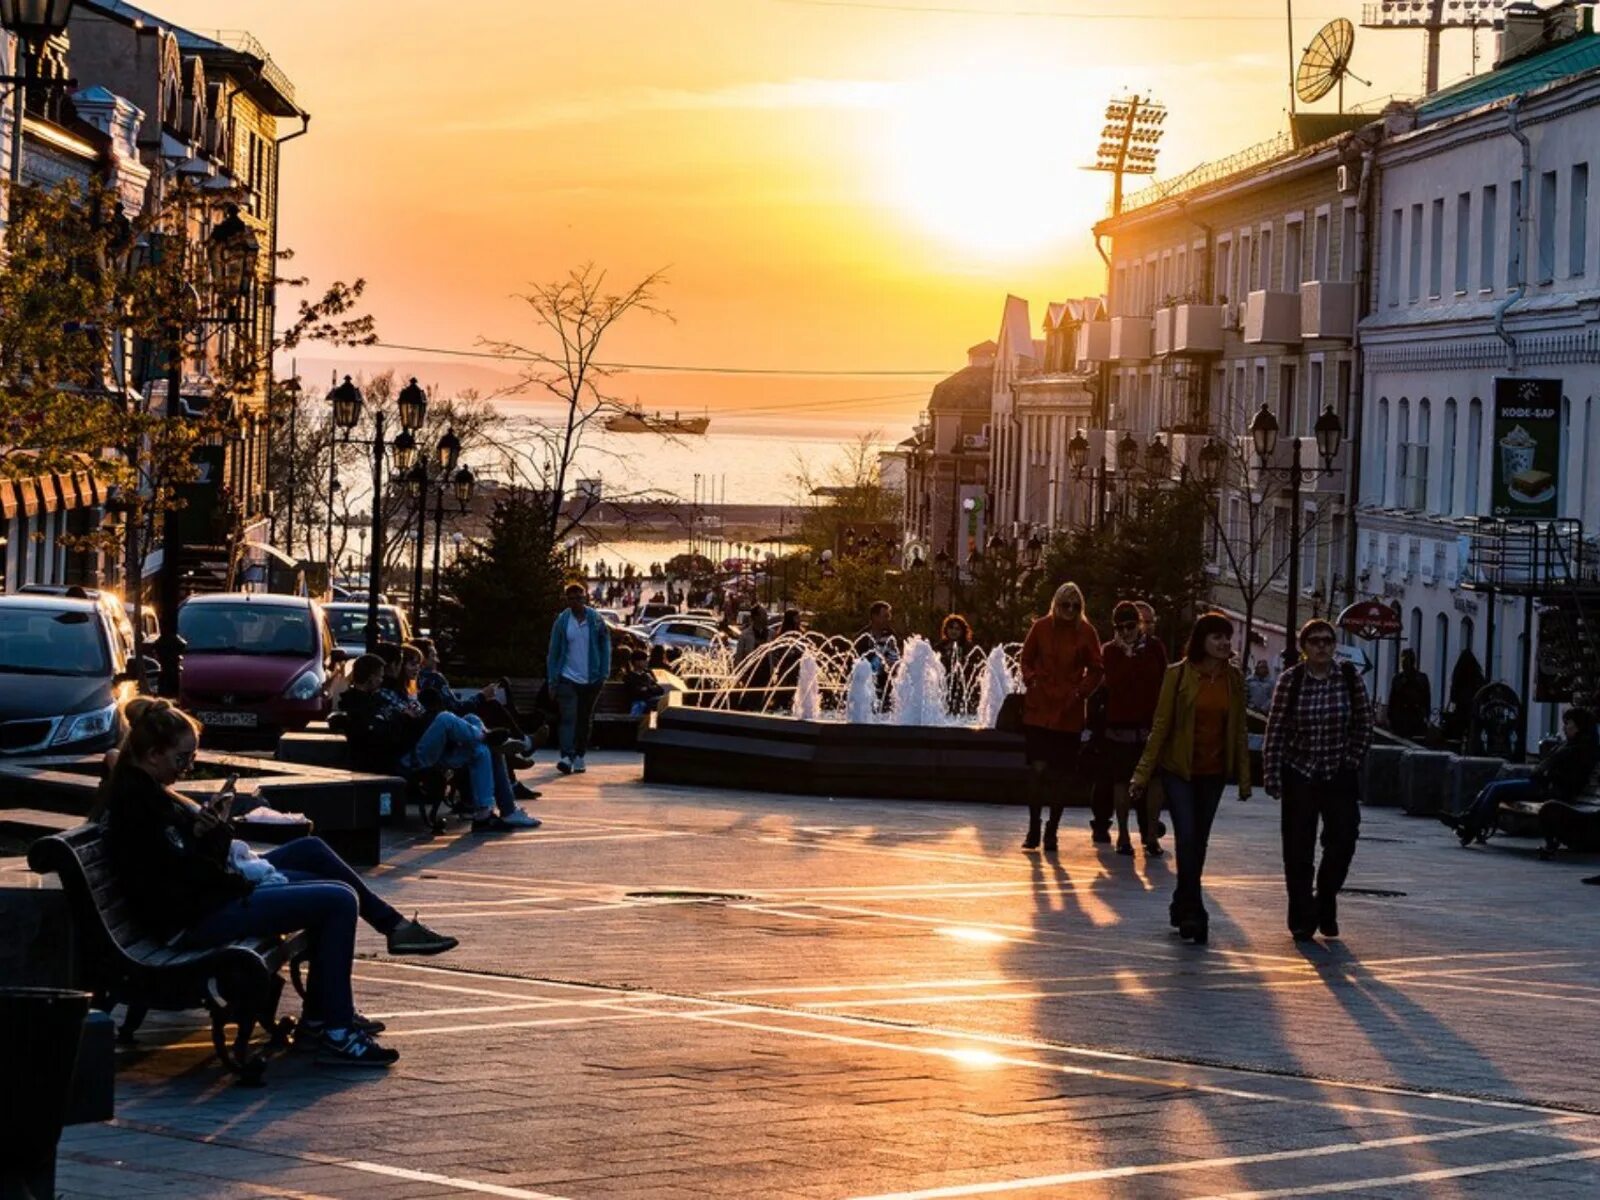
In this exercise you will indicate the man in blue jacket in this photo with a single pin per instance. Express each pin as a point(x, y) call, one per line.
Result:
point(577, 665)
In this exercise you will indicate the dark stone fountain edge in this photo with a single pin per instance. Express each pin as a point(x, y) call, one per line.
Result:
point(712, 748)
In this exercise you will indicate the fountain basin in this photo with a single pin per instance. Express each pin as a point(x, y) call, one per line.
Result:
point(755, 752)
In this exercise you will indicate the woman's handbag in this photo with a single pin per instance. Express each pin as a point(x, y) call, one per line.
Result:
point(1009, 718)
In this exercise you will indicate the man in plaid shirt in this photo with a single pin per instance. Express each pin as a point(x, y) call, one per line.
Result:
point(1318, 733)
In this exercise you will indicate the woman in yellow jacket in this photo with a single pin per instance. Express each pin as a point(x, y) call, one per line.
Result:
point(1198, 745)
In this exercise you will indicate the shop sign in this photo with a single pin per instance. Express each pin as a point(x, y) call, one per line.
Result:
point(1527, 448)
point(1370, 619)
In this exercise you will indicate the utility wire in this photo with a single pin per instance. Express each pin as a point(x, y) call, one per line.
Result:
point(673, 367)
point(1046, 13)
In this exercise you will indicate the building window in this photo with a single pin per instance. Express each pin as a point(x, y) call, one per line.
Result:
point(1313, 395)
point(1341, 398)
point(1247, 264)
point(1419, 456)
point(1547, 227)
point(1447, 460)
point(1463, 241)
point(1436, 252)
point(1486, 223)
point(1441, 657)
point(1467, 632)
point(1264, 279)
point(1397, 229)
point(1402, 454)
point(1380, 444)
point(1474, 461)
point(1578, 222)
point(1347, 244)
point(1319, 247)
point(1288, 392)
point(1293, 254)
point(1414, 249)
point(1222, 274)
point(1514, 236)
point(1259, 396)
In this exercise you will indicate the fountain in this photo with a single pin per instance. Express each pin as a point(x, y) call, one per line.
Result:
point(809, 714)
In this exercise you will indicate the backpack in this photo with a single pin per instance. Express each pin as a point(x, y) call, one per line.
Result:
point(1351, 682)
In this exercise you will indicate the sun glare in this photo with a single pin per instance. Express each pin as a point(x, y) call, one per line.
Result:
point(990, 163)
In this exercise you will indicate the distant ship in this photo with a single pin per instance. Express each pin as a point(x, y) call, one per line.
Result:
point(635, 420)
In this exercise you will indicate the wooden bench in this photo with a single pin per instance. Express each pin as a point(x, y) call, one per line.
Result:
point(237, 983)
point(614, 726)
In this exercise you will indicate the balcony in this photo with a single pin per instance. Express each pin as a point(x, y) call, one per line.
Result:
point(1197, 329)
point(1162, 331)
point(1272, 318)
point(1328, 310)
point(1094, 342)
point(1130, 339)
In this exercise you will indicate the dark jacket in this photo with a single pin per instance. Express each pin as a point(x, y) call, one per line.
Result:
point(1565, 772)
point(172, 873)
point(378, 729)
point(642, 685)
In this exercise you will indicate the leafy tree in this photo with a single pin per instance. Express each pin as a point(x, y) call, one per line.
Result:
point(499, 598)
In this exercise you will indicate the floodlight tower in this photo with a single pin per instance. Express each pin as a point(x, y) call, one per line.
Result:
point(1129, 141)
point(1433, 17)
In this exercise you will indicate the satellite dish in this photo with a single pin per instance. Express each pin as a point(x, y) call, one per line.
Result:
point(1326, 62)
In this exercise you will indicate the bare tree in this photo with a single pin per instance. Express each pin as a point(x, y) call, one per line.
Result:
point(576, 312)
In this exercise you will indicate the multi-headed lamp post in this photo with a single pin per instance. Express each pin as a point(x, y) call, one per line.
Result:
point(413, 408)
point(418, 480)
point(1264, 434)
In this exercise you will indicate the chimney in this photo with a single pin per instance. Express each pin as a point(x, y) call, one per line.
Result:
point(1527, 28)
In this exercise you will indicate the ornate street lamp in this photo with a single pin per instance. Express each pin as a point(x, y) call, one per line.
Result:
point(1212, 455)
point(448, 451)
point(413, 406)
point(232, 253)
point(1034, 552)
point(1329, 433)
point(405, 450)
point(1264, 433)
point(415, 479)
point(36, 21)
point(347, 403)
point(1128, 453)
point(464, 481)
point(1078, 454)
point(1157, 459)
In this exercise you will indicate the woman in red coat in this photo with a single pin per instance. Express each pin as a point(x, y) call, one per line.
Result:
point(1061, 665)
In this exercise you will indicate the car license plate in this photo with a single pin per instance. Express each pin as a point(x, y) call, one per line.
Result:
point(236, 719)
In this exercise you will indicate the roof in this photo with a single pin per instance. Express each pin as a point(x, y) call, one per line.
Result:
point(965, 391)
point(253, 66)
point(266, 599)
point(1574, 56)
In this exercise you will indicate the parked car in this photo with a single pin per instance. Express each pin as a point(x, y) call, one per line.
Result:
point(257, 661)
point(348, 620)
point(654, 611)
point(65, 670)
point(686, 635)
point(108, 602)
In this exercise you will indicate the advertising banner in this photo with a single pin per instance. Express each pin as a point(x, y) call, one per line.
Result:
point(1527, 448)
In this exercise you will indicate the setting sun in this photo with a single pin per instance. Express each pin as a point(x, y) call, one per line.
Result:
point(990, 163)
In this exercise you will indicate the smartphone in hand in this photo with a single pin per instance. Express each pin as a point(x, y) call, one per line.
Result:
point(222, 802)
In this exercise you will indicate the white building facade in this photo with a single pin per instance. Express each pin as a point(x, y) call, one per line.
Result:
point(1486, 266)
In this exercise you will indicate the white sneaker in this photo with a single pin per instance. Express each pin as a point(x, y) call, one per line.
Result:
point(517, 819)
point(578, 767)
point(565, 765)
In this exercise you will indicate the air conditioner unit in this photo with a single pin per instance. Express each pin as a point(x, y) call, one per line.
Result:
point(1349, 178)
point(974, 441)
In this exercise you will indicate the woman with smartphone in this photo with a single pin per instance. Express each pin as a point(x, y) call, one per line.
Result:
point(175, 861)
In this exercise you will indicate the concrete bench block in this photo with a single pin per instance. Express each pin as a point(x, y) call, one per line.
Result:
point(314, 750)
point(1425, 782)
point(1468, 775)
point(1380, 777)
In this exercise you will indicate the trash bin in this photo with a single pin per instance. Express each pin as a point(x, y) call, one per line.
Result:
point(40, 1029)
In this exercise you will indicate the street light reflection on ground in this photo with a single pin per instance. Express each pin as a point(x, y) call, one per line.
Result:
point(966, 933)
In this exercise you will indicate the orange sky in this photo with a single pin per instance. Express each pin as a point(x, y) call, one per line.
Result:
point(828, 186)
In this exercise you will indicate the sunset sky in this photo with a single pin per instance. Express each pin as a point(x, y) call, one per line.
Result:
point(829, 184)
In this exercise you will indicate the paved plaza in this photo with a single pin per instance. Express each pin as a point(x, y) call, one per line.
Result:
point(890, 999)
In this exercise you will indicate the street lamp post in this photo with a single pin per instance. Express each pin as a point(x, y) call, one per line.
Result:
point(34, 22)
point(448, 453)
point(347, 404)
point(1264, 434)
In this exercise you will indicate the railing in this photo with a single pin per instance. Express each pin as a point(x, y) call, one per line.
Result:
point(1274, 147)
point(246, 43)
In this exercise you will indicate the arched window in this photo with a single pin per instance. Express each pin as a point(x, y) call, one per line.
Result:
point(1402, 455)
point(1380, 450)
point(1447, 461)
point(1468, 631)
point(1420, 452)
point(1415, 642)
point(1474, 463)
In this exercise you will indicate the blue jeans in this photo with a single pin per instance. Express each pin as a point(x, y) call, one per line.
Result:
point(457, 744)
point(1483, 813)
point(1193, 806)
point(576, 701)
point(326, 910)
point(310, 859)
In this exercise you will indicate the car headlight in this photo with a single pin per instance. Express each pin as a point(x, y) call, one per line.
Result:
point(306, 686)
point(76, 727)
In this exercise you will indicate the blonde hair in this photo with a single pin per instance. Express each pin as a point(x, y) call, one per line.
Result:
point(1067, 591)
point(153, 726)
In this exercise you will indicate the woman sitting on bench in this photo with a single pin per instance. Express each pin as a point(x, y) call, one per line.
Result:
point(184, 876)
point(1561, 775)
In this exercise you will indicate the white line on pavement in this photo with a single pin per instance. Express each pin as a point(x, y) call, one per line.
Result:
point(1434, 1176)
point(1211, 1164)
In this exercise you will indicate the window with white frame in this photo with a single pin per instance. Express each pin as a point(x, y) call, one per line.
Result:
point(1447, 460)
point(1319, 245)
point(1548, 185)
point(1578, 221)
point(1247, 264)
point(1474, 455)
point(1380, 443)
point(1222, 277)
point(1308, 420)
point(1514, 235)
point(1436, 251)
point(1294, 232)
point(1488, 231)
point(1264, 254)
point(1288, 397)
point(1402, 455)
point(1414, 249)
point(1463, 241)
point(1347, 243)
point(1397, 227)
